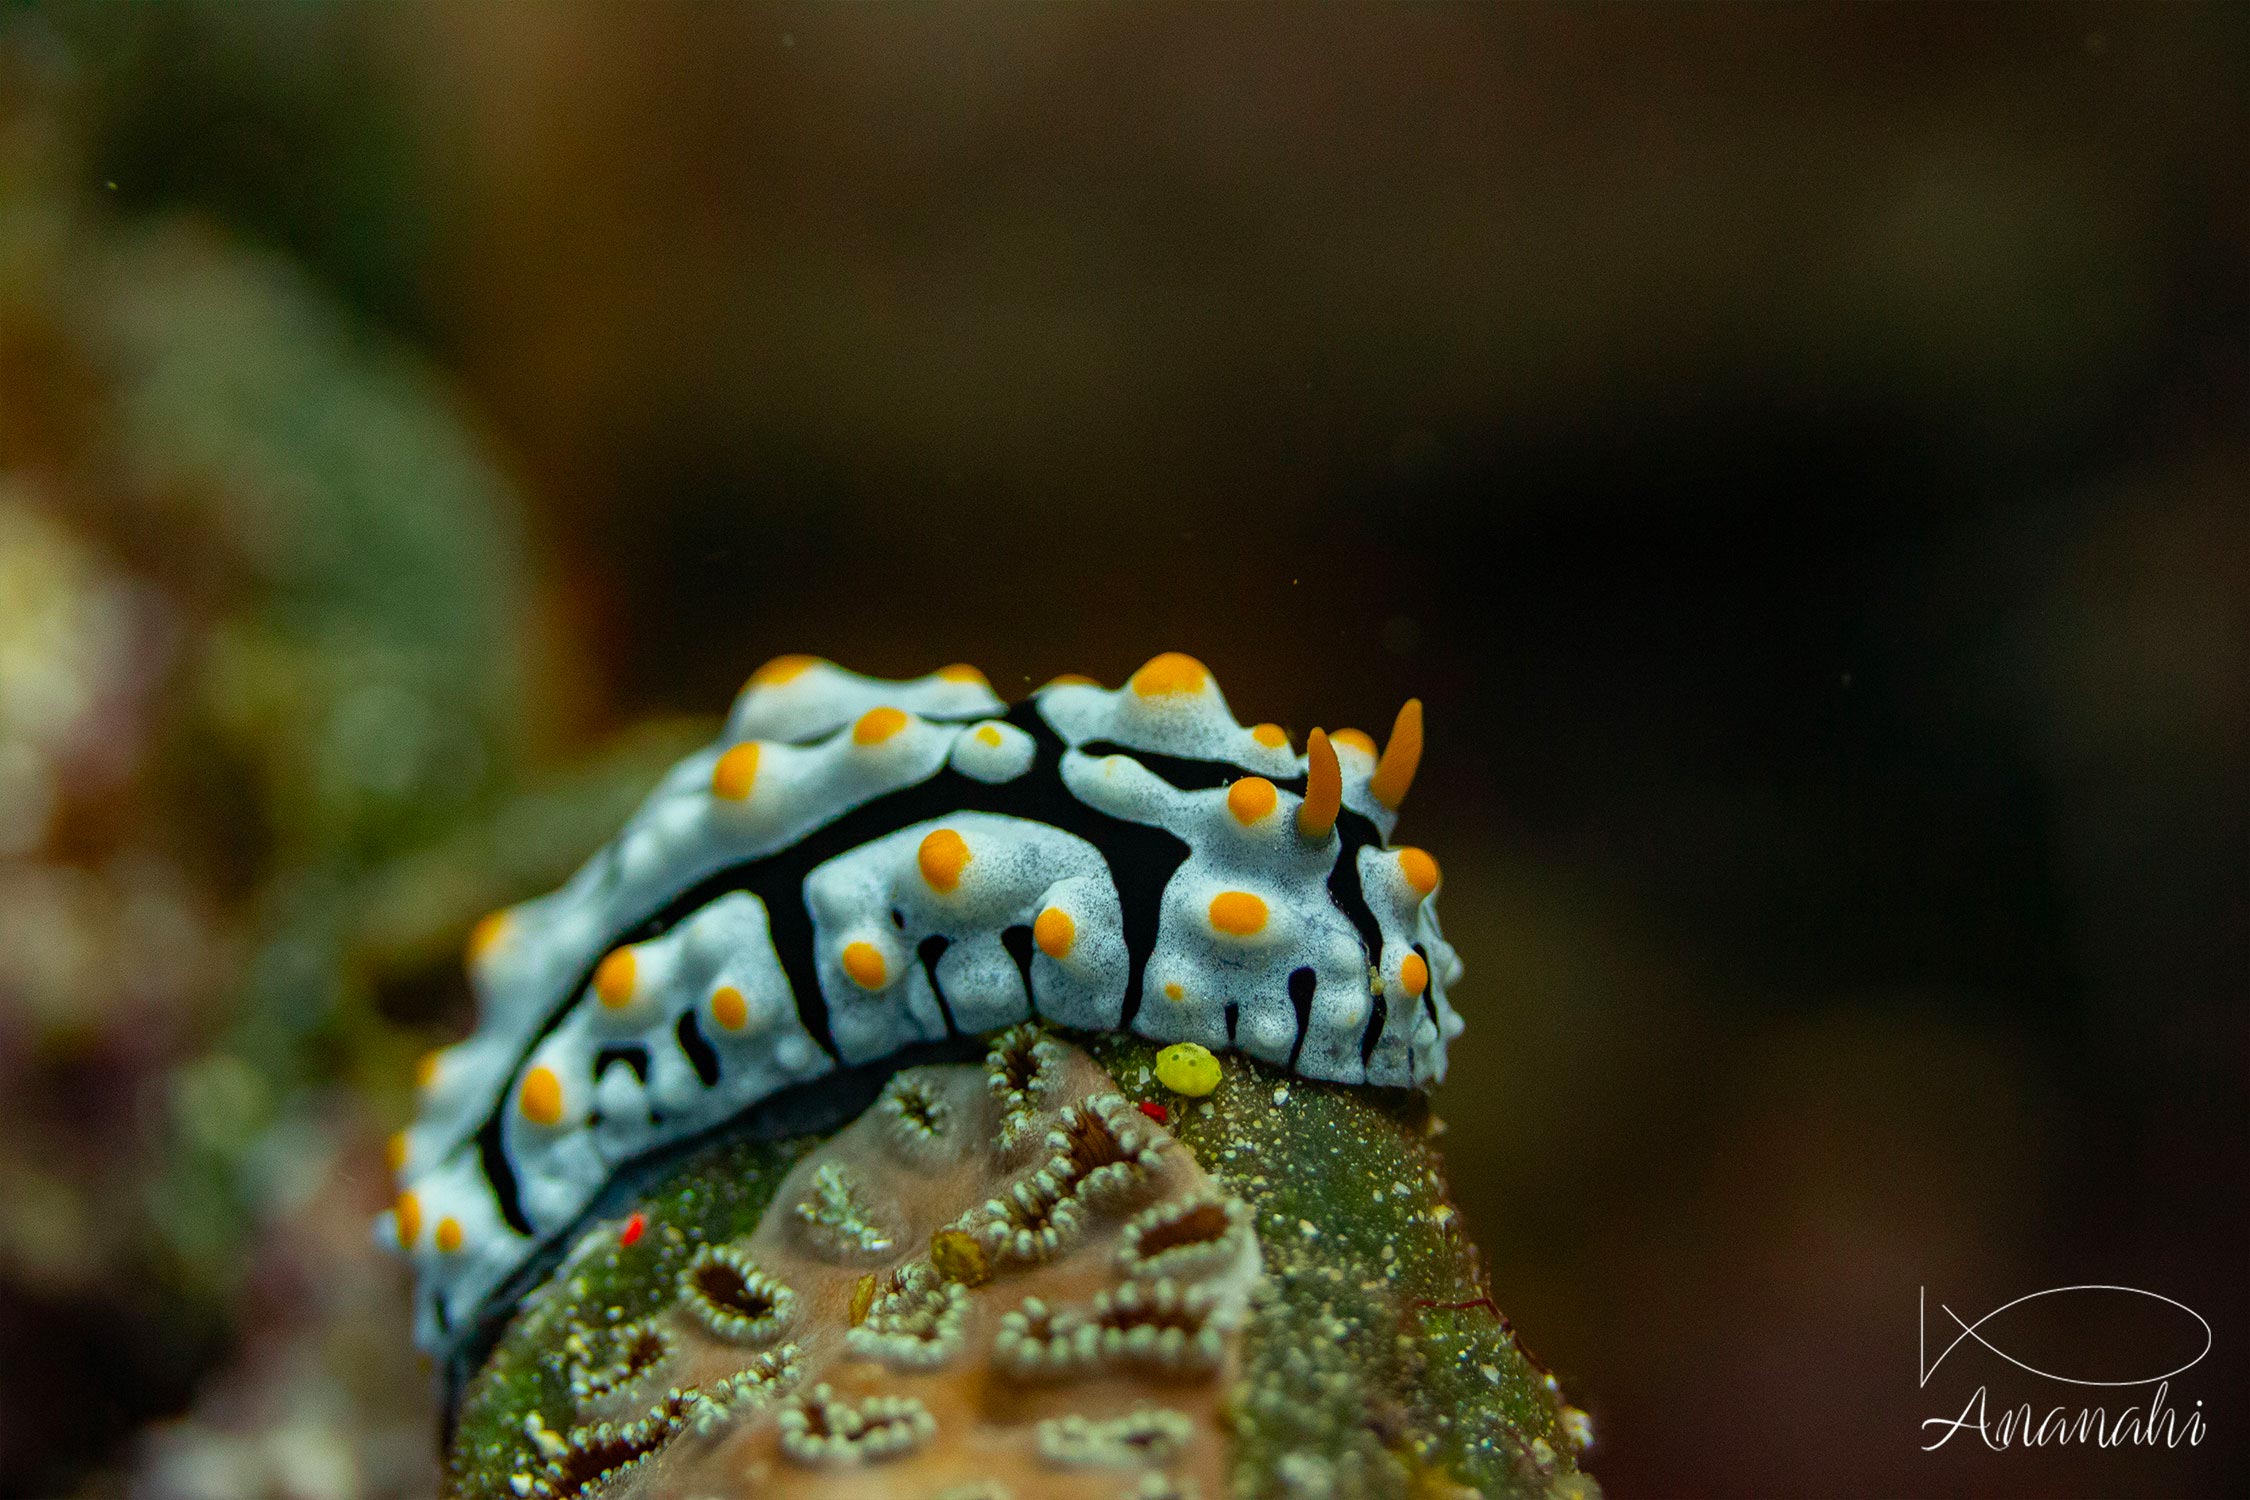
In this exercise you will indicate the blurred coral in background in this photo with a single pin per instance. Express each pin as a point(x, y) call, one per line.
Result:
point(1797, 454)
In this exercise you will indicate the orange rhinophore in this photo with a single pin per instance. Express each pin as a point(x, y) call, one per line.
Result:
point(1394, 773)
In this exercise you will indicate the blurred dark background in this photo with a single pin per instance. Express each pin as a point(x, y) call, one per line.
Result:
point(1797, 454)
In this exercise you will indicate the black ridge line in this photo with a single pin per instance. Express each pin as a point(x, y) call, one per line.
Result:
point(633, 1055)
point(1017, 940)
point(1378, 1012)
point(1302, 981)
point(700, 1053)
point(1141, 858)
point(930, 950)
point(1429, 990)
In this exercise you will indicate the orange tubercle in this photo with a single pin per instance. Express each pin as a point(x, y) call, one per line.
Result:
point(1238, 913)
point(541, 1097)
point(988, 735)
point(864, 963)
point(1420, 870)
point(448, 1236)
point(1357, 739)
point(1414, 974)
point(736, 772)
point(1173, 672)
point(1272, 736)
point(486, 935)
point(427, 1067)
point(1054, 932)
point(408, 1211)
point(614, 978)
point(782, 669)
point(1251, 799)
point(961, 671)
point(729, 1009)
point(1068, 679)
point(395, 1151)
point(878, 725)
point(943, 856)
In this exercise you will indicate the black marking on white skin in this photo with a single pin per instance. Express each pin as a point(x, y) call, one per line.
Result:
point(1017, 940)
point(1378, 1009)
point(930, 950)
point(632, 1054)
point(701, 1055)
point(1302, 982)
point(1142, 860)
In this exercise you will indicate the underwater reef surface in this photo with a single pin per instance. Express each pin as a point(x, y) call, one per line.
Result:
point(1044, 1271)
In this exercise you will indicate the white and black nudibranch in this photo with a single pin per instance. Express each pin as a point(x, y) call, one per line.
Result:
point(859, 866)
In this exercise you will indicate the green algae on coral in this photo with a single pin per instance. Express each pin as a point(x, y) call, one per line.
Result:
point(615, 1275)
point(1379, 1363)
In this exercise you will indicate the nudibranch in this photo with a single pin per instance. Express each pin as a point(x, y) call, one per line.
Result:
point(859, 867)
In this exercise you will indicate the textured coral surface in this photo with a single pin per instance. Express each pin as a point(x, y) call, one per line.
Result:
point(1045, 1274)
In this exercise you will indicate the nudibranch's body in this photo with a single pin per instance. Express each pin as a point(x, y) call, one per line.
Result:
point(859, 866)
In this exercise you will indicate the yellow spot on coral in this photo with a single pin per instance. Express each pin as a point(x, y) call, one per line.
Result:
point(486, 935)
point(736, 772)
point(1174, 991)
point(956, 1256)
point(1272, 736)
point(1394, 773)
point(1250, 799)
point(1414, 974)
point(863, 1298)
point(613, 978)
point(426, 1068)
point(1187, 1068)
point(448, 1235)
point(782, 669)
point(1420, 870)
point(988, 734)
point(878, 725)
point(943, 856)
point(864, 963)
point(961, 671)
point(409, 1212)
point(1358, 739)
point(394, 1152)
point(1170, 673)
point(1324, 789)
point(1054, 932)
point(729, 1009)
point(1238, 912)
point(541, 1097)
point(1069, 679)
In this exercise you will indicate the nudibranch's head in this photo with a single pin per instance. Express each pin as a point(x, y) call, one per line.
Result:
point(859, 866)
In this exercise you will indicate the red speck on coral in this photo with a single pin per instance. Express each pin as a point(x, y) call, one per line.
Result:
point(1156, 1111)
point(631, 1234)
